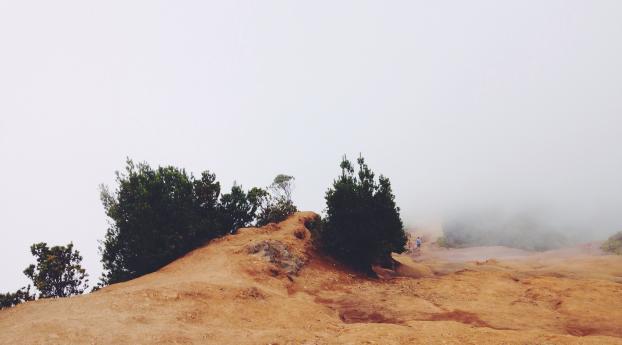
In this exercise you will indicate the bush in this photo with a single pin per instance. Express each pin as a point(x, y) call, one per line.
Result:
point(159, 215)
point(9, 299)
point(613, 244)
point(362, 224)
point(277, 205)
point(237, 209)
point(58, 271)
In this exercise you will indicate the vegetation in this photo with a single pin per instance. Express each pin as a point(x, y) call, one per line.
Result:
point(160, 214)
point(277, 205)
point(57, 273)
point(613, 244)
point(362, 224)
point(9, 299)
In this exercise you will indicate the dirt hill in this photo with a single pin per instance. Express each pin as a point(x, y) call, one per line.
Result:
point(267, 286)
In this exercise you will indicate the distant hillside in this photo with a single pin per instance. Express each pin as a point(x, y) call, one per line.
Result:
point(517, 231)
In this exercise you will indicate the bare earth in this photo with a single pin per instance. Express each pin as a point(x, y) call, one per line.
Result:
point(247, 289)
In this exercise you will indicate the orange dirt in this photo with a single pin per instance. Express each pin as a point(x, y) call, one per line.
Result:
point(268, 286)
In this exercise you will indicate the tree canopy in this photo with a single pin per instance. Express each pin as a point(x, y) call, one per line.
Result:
point(362, 224)
point(58, 271)
point(157, 215)
point(11, 299)
point(276, 204)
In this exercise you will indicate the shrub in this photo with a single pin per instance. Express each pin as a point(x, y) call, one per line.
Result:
point(277, 205)
point(9, 299)
point(160, 214)
point(58, 271)
point(362, 224)
point(237, 209)
point(613, 244)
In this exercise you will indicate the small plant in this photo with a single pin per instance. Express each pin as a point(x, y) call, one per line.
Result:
point(277, 203)
point(11, 299)
point(58, 271)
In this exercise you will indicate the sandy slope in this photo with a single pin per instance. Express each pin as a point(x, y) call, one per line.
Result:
point(229, 293)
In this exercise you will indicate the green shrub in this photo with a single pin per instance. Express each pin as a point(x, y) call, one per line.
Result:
point(277, 204)
point(11, 299)
point(362, 224)
point(160, 214)
point(58, 271)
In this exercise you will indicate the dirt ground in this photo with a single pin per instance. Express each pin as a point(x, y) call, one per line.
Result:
point(268, 286)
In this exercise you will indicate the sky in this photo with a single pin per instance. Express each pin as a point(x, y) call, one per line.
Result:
point(463, 105)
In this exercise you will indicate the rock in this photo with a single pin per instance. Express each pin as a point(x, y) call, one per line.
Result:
point(279, 254)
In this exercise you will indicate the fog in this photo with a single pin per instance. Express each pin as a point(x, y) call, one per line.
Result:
point(469, 108)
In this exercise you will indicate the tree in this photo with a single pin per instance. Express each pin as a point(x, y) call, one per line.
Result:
point(282, 187)
point(237, 209)
point(362, 224)
point(57, 272)
point(9, 299)
point(158, 215)
point(277, 205)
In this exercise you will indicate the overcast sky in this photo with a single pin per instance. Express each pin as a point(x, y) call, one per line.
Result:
point(463, 104)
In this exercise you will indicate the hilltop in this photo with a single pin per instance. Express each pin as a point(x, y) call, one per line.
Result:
point(269, 286)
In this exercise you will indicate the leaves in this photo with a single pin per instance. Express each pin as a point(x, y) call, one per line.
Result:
point(158, 215)
point(57, 272)
point(362, 224)
point(9, 299)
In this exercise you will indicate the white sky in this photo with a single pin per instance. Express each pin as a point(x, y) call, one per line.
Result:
point(462, 104)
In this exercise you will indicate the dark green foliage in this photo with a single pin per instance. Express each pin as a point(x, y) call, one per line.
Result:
point(237, 209)
point(11, 299)
point(159, 215)
point(613, 244)
point(362, 224)
point(315, 227)
point(58, 271)
point(155, 219)
point(277, 205)
point(275, 212)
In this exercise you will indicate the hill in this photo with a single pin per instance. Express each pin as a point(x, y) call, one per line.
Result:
point(268, 286)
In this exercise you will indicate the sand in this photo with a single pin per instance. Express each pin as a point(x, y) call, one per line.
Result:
point(228, 293)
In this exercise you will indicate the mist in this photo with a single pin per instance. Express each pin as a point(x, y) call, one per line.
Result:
point(512, 108)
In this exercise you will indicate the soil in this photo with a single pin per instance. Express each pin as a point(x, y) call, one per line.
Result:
point(269, 286)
